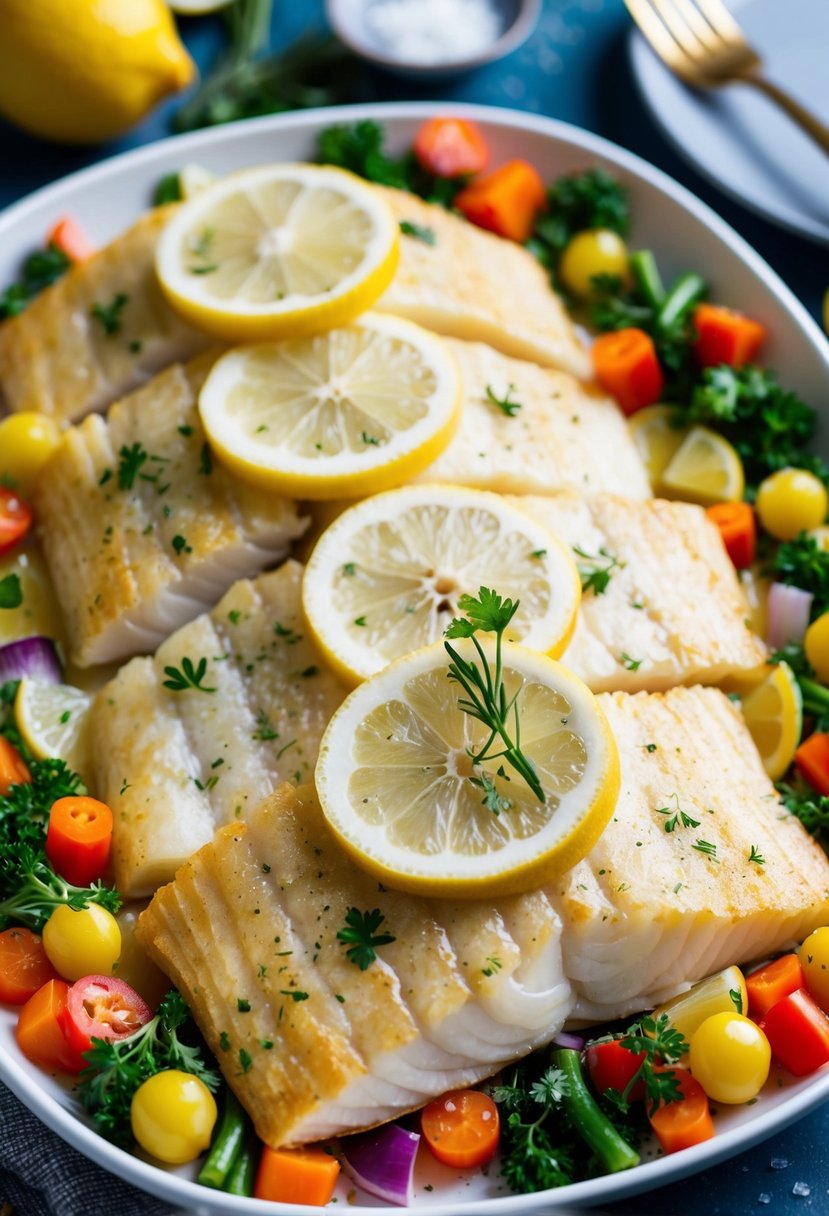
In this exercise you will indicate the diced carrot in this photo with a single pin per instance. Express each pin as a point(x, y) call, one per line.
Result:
point(296, 1175)
point(68, 236)
point(812, 758)
point(738, 530)
point(39, 1031)
point(627, 366)
point(724, 336)
point(685, 1122)
point(505, 201)
point(451, 147)
point(79, 839)
point(771, 983)
point(13, 769)
point(24, 966)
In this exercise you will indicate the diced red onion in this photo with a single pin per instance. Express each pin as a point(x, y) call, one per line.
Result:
point(382, 1162)
point(573, 1041)
point(788, 610)
point(35, 657)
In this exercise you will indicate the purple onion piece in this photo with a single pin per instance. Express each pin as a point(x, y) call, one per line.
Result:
point(382, 1162)
point(35, 657)
point(787, 610)
point(573, 1041)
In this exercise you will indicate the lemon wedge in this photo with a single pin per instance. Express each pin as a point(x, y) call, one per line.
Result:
point(280, 250)
point(338, 415)
point(773, 712)
point(656, 439)
point(52, 720)
point(724, 992)
point(399, 790)
point(385, 577)
point(704, 469)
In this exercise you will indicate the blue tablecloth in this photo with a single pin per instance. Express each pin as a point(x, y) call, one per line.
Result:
point(574, 68)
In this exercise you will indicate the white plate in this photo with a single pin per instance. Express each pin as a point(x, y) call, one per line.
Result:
point(738, 138)
point(684, 234)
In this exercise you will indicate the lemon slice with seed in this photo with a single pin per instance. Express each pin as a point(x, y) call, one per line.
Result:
point(282, 249)
point(52, 720)
point(773, 712)
point(655, 438)
point(398, 788)
point(386, 576)
point(338, 415)
point(705, 469)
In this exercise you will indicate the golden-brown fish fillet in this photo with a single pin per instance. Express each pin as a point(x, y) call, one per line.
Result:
point(672, 612)
point(175, 765)
point(96, 334)
point(142, 530)
point(471, 284)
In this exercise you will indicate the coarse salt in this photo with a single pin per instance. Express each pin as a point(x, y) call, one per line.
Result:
point(433, 31)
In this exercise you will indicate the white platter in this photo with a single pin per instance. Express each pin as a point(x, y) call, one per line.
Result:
point(684, 234)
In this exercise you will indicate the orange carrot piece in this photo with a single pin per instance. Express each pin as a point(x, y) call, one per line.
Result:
point(738, 530)
point(771, 983)
point(506, 201)
point(79, 839)
point(461, 1128)
point(812, 758)
point(13, 769)
point(68, 236)
point(725, 336)
point(39, 1031)
point(24, 966)
point(627, 366)
point(296, 1175)
point(451, 147)
point(686, 1122)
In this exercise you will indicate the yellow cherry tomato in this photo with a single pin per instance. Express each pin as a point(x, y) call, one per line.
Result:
point(595, 251)
point(816, 645)
point(83, 942)
point(27, 440)
point(730, 1057)
point(814, 959)
point(791, 501)
point(172, 1116)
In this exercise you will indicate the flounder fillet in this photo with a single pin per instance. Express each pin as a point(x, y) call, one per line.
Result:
point(471, 284)
point(175, 765)
point(566, 435)
point(137, 547)
point(673, 611)
point(60, 357)
point(462, 989)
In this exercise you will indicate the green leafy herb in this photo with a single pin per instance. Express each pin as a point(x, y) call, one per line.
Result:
point(130, 462)
point(109, 315)
point(187, 676)
point(736, 999)
point(242, 1005)
point(206, 461)
point(361, 936)
point(592, 199)
point(492, 800)
point(811, 809)
point(26, 880)
point(659, 1043)
point(370, 439)
point(419, 232)
point(40, 890)
point(803, 563)
point(705, 847)
point(595, 570)
point(40, 270)
point(11, 591)
point(504, 403)
point(629, 663)
point(264, 731)
point(168, 190)
point(756, 857)
point(296, 994)
point(676, 815)
point(359, 148)
point(180, 545)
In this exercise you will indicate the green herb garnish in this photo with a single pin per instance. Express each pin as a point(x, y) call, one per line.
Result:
point(361, 936)
point(187, 676)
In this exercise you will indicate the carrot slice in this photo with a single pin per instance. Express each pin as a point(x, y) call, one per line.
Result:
point(725, 336)
point(461, 1128)
point(627, 366)
point(39, 1032)
point(505, 201)
point(685, 1122)
point(79, 839)
point(812, 758)
point(451, 147)
point(296, 1175)
point(13, 769)
point(68, 236)
point(738, 530)
point(771, 983)
point(24, 966)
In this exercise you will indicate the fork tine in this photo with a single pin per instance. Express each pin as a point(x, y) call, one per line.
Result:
point(703, 30)
point(659, 38)
point(678, 26)
point(720, 20)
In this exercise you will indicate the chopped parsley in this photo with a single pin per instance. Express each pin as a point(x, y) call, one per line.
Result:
point(11, 591)
point(629, 663)
point(419, 231)
point(756, 856)
point(180, 545)
point(130, 462)
point(187, 676)
point(40, 269)
point(595, 569)
point(361, 936)
point(109, 315)
point(504, 403)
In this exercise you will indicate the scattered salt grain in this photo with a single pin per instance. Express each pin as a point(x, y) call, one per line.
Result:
point(802, 1189)
point(764, 1198)
point(433, 31)
point(779, 1163)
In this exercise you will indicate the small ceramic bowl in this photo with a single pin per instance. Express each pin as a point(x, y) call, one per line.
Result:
point(349, 20)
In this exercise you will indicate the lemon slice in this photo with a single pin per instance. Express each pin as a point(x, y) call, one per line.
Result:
point(705, 469)
point(337, 415)
point(385, 578)
point(52, 720)
point(774, 714)
point(278, 250)
point(655, 438)
point(394, 773)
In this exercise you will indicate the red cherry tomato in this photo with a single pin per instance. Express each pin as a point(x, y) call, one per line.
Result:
point(612, 1066)
point(102, 1007)
point(15, 518)
point(461, 1128)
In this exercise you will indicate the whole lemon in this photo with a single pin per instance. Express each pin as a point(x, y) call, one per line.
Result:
point(85, 71)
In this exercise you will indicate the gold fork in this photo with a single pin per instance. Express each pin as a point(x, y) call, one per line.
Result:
point(704, 45)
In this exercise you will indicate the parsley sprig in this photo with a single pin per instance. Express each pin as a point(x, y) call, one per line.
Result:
point(505, 402)
point(595, 569)
point(361, 936)
point(187, 676)
point(659, 1043)
point(40, 890)
point(130, 462)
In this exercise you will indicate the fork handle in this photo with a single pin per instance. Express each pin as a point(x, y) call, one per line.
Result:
point(798, 113)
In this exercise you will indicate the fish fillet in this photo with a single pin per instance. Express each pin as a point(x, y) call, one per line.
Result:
point(673, 611)
point(58, 356)
point(471, 284)
point(566, 435)
point(133, 561)
point(669, 894)
point(254, 916)
point(175, 765)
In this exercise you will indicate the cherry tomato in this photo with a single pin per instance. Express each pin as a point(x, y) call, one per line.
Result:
point(814, 960)
point(595, 251)
point(15, 518)
point(798, 1032)
point(100, 1007)
point(27, 440)
point(816, 645)
point(85, 942)
point(612, 1066)
point(461, 1128)
point(791, 501)
point(172, 1116)
point(730, 1057)
point(24, 966)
